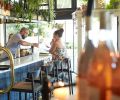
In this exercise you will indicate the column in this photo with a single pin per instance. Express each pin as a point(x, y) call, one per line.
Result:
point(118, 39)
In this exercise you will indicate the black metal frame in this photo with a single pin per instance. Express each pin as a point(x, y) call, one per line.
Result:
point(65, 13)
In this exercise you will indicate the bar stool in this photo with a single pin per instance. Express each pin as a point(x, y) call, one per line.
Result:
point(29, 86)
point(66, 68)
point(59, 68)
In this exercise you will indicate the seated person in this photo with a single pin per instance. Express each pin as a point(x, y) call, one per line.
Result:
point(57, 49)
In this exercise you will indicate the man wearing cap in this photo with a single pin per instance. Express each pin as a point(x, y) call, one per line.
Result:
point(17, 40)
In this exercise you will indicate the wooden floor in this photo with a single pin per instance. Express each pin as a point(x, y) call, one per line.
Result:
point(92, 91)
point(93, 94)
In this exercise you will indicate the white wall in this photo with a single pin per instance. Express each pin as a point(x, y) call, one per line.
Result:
point(1, 35)
point(1, 29)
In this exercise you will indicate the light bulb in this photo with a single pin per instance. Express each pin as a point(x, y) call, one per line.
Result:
point(35, 30)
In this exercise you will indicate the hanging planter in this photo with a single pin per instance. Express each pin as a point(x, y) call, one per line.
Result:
point(7, 6)
point(116, 5)
point(113, 4)
point(1, 4)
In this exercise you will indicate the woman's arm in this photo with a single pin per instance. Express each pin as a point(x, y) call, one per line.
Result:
point(53, 48)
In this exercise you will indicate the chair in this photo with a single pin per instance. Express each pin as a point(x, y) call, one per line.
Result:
point(59, 68)
point(29, 86)
point(66, 68)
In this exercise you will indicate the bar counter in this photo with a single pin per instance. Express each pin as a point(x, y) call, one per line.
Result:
point(22, 65)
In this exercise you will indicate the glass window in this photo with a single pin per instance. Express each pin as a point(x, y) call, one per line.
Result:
point(81, 2)
point(78, 3)
point(15, 0)
point(64, 4)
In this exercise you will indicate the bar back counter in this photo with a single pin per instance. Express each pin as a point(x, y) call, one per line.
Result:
point(22, 65)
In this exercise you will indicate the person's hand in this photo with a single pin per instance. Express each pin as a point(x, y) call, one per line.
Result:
point(53, 41)
point(36, 44)
point(47, 46)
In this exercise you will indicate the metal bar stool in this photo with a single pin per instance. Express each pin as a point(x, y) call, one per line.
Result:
point(59, 68)
point(66, 68)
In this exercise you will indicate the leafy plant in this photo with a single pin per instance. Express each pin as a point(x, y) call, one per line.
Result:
point(30, 8)
point(113, 4)
point(52, 14)
point(83, 2)
point(17, 10)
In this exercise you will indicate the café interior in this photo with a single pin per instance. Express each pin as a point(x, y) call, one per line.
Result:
point(89, 71)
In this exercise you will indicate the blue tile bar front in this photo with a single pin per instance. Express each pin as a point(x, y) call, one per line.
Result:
point(21, 67)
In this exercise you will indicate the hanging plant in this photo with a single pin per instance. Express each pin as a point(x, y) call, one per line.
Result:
point(47, 14)
point(1, 3)
point(17, 10)
point(113, 4)
point(52, 14)
point(44, 15)
point(30, 8)
point(29, 15)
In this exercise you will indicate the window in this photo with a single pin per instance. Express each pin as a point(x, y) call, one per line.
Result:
point(64, 4)
point(81, 2)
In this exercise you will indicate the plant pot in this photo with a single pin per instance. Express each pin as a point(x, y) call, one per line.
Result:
point(7, 7)
point(116, 5)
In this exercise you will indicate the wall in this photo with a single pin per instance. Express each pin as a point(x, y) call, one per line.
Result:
point(1, 27)
point(1, 34)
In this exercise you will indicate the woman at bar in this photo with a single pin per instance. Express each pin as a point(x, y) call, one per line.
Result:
point(57, 49)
